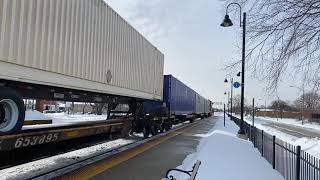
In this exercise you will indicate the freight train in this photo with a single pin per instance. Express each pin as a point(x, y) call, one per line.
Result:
point(83, 51)
point(180, 103)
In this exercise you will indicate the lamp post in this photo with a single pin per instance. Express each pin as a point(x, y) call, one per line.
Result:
point(278, 108)
point(302, 108)
point(225, 93)
point(265, 106)
point(253, 112)
point(231, 81)
point(227, 23)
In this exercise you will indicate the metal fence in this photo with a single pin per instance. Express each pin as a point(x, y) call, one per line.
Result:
point(289, 160)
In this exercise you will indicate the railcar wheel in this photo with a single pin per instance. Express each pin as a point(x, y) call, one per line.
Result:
point(162, 128)
point(146, 132)
point(155, 130)
point(12, 111)
point(191, 120)
point(167, 126)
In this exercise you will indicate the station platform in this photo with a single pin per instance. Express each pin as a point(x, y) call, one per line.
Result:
point(151, 160)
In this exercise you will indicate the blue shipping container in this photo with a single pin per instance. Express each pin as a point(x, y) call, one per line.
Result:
point(178, 97)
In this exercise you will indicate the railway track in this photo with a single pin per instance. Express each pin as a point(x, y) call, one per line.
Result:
point(73, 163)
point(20, 156)
point(47, 141)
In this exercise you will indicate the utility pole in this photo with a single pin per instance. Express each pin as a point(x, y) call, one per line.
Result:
point(253, 112)
point(231, 96)
point(265, 108)
point(231, 90)
point(228, 102)
point(302, 105)
point(278, 108)
point(224, 115)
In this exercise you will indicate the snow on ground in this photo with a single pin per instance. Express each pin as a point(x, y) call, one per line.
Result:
point(31, 169)
point(294, 122)
point(309, 145)
point(60, 118)
point(225, 156)
point(65, 119)
point(35, 115)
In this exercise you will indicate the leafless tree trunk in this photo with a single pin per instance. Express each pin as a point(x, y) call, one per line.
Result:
point(311, 101)
point(236, 105)
point(84, 107)
point(98, 107)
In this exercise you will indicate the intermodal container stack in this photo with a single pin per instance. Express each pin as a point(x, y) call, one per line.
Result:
point(180, 100)
point(83, 45)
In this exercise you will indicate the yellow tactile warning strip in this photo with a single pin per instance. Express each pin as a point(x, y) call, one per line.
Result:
point(94, 169)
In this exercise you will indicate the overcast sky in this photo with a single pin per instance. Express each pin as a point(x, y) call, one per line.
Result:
point(196, 48)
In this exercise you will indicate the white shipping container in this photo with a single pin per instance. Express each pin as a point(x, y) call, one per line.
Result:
point(207, 106)
point(200, 104)
point(79, 44)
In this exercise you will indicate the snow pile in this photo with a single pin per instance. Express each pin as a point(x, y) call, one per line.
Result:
point(31, 169)
point(35, 115)
point(61, 118)
point(309, 145)
point(224, 156)
point(294, 122)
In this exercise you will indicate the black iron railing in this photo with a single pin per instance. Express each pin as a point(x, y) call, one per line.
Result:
point(289, 160)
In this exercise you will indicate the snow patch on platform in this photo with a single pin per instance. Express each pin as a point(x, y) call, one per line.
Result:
point(224, 156)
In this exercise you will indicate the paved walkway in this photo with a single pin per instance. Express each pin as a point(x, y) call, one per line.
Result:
point(154, 162)
point(223, 157)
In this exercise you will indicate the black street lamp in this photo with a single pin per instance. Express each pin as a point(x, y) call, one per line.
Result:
point(227, 23)
point(231, 89)
point(228, 102)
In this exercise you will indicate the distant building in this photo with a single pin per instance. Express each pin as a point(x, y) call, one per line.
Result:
point(310, 115)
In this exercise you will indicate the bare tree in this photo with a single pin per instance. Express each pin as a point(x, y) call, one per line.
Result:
point(98, 107)
point(283, 39)
point(280, 105)
point(236, 105)
point(84, 107)
point(311, 101)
